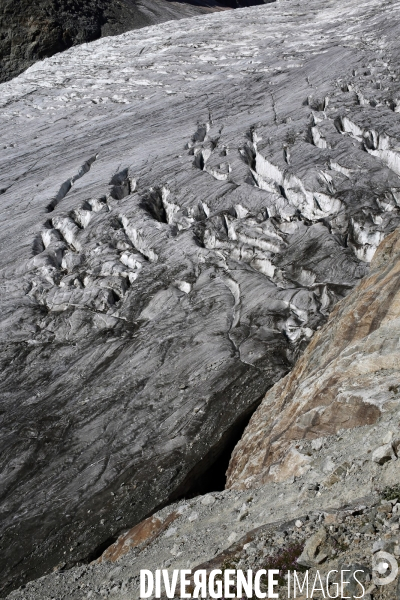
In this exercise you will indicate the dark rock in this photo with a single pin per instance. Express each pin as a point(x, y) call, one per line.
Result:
point(368, 528)
point(355, 575)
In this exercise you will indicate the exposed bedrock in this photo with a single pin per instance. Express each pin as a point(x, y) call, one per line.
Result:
point(347, 378)
point(31, 31)
point(182, 207)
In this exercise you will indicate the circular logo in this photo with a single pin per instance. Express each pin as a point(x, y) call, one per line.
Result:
point(384, 568)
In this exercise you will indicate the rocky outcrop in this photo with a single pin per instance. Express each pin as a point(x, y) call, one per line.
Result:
point(169, 244)
point(347, 378)
point(31, 31)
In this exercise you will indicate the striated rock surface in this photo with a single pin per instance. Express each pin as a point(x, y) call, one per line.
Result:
point(347, 377)
point(182, 207)
point(31, 31)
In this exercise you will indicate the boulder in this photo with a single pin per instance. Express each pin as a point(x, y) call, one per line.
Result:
point(311, 554)
point(383, 454)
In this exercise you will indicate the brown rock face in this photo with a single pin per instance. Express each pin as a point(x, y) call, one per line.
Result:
point(143, 533)
point(346, 378)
